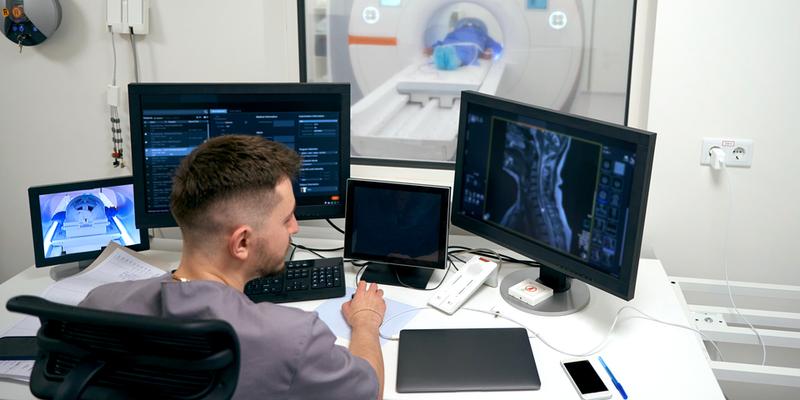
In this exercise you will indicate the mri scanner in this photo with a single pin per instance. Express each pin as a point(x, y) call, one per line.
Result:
point(404, 107)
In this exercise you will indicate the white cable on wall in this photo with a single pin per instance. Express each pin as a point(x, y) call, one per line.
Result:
point(135, 56)
point(727, 179)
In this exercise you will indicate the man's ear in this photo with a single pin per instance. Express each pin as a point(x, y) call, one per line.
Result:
point(240, 242)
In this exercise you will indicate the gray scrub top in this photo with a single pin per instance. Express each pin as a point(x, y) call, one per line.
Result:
point(286, 353)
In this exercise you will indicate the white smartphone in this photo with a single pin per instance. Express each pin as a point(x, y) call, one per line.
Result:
point(585, 379)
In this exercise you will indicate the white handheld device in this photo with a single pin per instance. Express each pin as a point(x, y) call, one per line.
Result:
point(471, 276)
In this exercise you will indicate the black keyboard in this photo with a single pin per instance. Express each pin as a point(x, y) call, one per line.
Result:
point(302, 280)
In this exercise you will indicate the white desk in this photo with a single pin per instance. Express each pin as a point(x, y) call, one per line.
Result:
point(651, 360)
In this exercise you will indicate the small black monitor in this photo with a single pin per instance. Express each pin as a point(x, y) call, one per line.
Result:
point(169, 120)
point(75, 221)
point(400, 229)
point(567, 191)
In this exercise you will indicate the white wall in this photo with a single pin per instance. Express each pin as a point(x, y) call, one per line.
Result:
point(717, 71)
point(53, 117)
point(726, 68)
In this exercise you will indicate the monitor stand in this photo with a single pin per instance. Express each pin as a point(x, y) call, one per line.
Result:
point(397, 275)
point(569, 295)
point(62, 271)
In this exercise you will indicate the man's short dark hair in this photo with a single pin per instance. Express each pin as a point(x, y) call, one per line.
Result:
point(224, 168)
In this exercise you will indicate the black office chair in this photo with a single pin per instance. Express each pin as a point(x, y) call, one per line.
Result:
point(92, 354)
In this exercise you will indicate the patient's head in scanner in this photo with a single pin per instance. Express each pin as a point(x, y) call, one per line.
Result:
point(232, 198)
point(464, 45)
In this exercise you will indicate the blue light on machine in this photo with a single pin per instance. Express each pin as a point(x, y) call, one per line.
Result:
point(391, 3)
point(537, 4)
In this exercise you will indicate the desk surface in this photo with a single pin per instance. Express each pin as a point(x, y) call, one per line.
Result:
point(651, 360)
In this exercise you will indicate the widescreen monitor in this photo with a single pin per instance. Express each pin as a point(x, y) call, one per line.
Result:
point(400, 229)
point(566, 191)
point(75, 221)
point(169, 120)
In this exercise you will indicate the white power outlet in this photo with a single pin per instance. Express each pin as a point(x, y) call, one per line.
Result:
point(738, 152)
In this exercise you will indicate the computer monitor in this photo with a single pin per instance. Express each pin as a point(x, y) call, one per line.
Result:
point(400, 229)
point(75, 221)
point(169, 120)
point(567, 191)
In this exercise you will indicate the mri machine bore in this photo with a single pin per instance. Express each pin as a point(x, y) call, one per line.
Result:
point(568, 55)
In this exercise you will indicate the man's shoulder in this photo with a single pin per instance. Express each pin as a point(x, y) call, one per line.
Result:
point(115, 295)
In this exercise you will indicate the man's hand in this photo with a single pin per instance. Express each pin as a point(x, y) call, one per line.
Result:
point(367, 308)
point(364, 313)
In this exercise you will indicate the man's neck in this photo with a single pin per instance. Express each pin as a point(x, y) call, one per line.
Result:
point(204, 267)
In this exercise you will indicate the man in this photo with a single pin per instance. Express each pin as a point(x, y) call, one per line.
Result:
point(467, 42)
point(232, 198)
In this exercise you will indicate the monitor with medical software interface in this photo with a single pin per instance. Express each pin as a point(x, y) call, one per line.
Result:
point(566, 191)
point(169, 120)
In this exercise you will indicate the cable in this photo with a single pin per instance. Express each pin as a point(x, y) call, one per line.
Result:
point(491, 253)
point(113, 110)
point(385, 320)
point(135, 56)
point(725, 266)
point(536, 335)
point(334, 225)
point(291, 255)
point(452, 264)
point(360, 270)
point(607, 338)
point(114, 52)
point(424, 289)
point(483, 252)
point(301, 247)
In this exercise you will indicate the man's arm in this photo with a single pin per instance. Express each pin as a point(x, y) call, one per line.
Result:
point(364, 313)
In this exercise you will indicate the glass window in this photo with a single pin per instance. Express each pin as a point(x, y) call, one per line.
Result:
point(409, 60)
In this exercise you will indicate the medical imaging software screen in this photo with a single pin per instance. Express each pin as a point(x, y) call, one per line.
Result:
point(564, 189)
point(86, 220)
point(174, 125)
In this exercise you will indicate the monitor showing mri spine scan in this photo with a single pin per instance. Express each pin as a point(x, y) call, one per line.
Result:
point(408, 62)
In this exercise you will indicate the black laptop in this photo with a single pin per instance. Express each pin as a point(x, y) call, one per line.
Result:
point(453, 360)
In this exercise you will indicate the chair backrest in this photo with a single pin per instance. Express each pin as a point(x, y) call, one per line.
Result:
point(93, 354)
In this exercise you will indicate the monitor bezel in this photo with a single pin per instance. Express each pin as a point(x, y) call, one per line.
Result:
point(444, 233)
point(624, 285)
point(137, 90)
point(36, 220)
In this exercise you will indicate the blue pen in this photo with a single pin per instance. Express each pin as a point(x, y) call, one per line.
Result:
point(613, 378)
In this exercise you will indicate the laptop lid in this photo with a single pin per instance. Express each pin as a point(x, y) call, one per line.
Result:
point(451, 360)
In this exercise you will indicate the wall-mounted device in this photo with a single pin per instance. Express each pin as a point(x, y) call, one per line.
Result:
point(30, 22)
point(128, 16)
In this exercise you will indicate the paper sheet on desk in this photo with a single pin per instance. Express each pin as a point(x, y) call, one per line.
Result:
point(115, 264)
point(19, 370)
point(330, 312)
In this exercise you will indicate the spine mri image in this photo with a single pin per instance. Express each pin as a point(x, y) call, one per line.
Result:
point(556, 186)
point(81, 221)
point(534, 159)
point(548, 180)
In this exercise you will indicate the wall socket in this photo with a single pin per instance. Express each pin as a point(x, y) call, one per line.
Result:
point(738, 152)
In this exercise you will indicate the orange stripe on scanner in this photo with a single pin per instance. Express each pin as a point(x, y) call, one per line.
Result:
point(372, 40)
